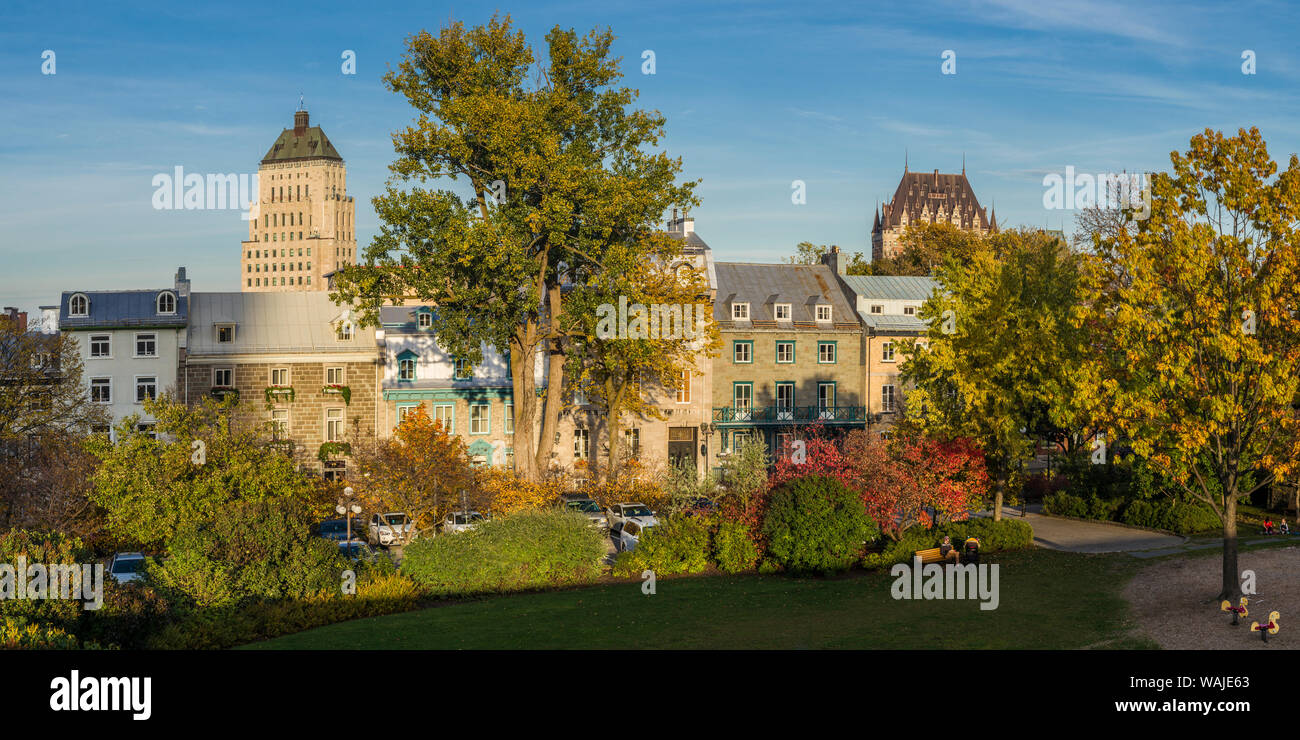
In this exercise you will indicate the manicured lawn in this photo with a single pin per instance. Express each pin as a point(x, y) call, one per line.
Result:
point(1049, 600)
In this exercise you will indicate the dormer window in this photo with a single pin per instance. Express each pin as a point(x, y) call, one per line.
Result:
point(877, 309)
point(463, 370)
point(406, 366)
point(782, 312)
point(166, 302)
point(344, 332)
point(909, 310)
point(823, 313)
point(79, 305)
point(225, 333)
point(740, 312)
point(424, 320)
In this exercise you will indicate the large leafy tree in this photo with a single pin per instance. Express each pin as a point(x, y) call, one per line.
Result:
point(1193, 314)
point(421, 471)
point(544, 168)
point(999, 362)
point(151, 488)
point(622, 372)
point(925, 247)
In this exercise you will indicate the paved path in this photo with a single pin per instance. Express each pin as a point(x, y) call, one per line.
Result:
point(1087, 536)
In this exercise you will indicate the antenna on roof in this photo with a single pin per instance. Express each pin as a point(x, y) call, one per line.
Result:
point(963, 164)
point(300, 101)
point(904, 160)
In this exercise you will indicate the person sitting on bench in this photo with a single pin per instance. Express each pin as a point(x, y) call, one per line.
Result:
point(1283, 528)
point(1268, 525)
point(972, 546)
point(946, 549)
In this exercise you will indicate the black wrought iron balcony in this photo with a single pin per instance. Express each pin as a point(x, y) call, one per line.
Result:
point(790, 415)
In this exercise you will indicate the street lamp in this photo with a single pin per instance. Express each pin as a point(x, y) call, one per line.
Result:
point(347, 510)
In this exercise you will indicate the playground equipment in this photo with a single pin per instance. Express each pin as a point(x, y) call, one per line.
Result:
point(1270, 628)
point(1237, 611)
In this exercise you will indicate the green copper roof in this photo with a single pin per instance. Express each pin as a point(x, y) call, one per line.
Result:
point(301, 142)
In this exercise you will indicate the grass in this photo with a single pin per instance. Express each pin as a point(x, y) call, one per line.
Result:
point(1049, 600)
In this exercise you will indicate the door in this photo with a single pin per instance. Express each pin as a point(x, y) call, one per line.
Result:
point(785, 401)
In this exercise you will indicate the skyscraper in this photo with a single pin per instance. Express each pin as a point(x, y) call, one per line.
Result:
point(302, 226)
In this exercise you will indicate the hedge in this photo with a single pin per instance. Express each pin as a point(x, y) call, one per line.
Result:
point(521, 551)
point(1007, 534)
point(1180, 517)
point(678, 544)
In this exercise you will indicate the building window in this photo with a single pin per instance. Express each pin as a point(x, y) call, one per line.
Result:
point(823, 313)
point(632, 441)
point(405, 410)
point(480, 418)
point(740, 312)
point(445, 414)
point(785, 401)
point(280, 376)
point(825, 397)
point(335, 376)
point(79, 305)
point(406, 368)
point(877, 309)
point(223, 377)
point(345, 332)
point(166, 302)
point(785, 352)
point(509, 418)
point(225, 333)
point(826, 352)
point(684, 389)
point(101, 390)
point(280, 424)
point(742, 352)
point(887, 398)
point(887, 352)
point(581, 444)
point(424, 320)
point(783, 312)
point(742, 399)
point(335, 470)
point(333, 425)
point(101, 345)
point(909, 310)
point(147, 429)
point(146, 388)
point(146, 345)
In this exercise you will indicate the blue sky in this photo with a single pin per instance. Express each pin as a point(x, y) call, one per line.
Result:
point(756, 95)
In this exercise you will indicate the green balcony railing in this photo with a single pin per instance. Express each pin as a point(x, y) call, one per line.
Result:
point(790, 414)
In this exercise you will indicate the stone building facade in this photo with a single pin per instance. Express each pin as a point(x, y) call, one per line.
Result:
point(302, 226)
point(298, 366)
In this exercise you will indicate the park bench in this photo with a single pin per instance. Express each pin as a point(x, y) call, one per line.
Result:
point(932, 556)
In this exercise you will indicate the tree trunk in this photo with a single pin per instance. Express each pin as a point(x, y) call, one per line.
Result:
point(523, 357)
point(1231, 583)
point(998, 488)
point(554, 385)
point(613, 423)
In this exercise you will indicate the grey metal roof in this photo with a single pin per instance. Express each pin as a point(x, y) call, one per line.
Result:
point(763, 286)
point(400, 318)
point(111, 309)
point(273, 323)
point(889, 324)
point(892, 287)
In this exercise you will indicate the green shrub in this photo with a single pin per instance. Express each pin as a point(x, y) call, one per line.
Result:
point(816, 524)
point(44, 548)
point(526, 550)
point(1064, 504)
point(677, 544)
point(1180, 517)
point(225, 627)
point(1008, 534)
point(248, 551)
point(19, 633)
point(130, 613)
point(733, 549)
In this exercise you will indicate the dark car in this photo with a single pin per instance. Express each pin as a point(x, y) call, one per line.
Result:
point(337, 529)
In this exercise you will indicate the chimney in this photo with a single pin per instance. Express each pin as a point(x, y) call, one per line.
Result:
point(182, 283)
point(834, 260)
point(683, 225)
point(300, 123)
point(16, 318)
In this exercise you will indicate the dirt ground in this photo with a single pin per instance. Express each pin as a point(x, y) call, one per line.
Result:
point(1172, 602)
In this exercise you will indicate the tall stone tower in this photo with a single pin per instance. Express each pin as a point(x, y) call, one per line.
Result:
point(302, 226)
point(924, 197)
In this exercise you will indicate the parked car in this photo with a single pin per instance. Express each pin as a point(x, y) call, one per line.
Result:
point(356, 549)
point(627, 534)
point(460, 521)
point(702, 506)
point(586, 506)
point(391, 528)
point(126, 567)
point(337, 529)
point(639, 513)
